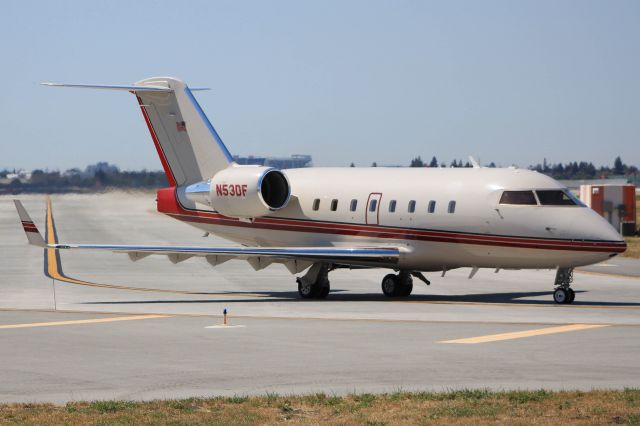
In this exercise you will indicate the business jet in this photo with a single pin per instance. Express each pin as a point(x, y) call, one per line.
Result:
point(408, 220)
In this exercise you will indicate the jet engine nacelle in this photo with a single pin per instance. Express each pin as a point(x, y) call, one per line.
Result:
point(243, 191)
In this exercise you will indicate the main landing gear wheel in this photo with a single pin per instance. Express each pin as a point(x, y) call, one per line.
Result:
point(397, 285)
point(315, 283)
point(306, 290)
point(391, 285)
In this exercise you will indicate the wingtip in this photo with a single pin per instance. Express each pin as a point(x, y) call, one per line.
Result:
point(33, 235)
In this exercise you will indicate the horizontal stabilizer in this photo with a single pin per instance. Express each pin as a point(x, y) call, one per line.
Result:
point(131, 88)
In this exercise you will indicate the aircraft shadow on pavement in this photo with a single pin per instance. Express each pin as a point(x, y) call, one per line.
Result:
point(507, 298)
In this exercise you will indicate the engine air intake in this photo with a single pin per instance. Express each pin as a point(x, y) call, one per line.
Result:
point(274, 189)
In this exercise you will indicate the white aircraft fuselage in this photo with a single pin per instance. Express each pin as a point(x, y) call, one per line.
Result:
point(409, 220)
point(478, 232)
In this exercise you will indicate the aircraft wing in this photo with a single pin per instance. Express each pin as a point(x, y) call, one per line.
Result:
point(296, 259)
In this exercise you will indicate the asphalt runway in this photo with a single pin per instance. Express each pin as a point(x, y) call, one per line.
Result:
point(125, 330)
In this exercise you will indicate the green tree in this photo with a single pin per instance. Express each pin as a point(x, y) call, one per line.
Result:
point(417, 162)
point(618, 166)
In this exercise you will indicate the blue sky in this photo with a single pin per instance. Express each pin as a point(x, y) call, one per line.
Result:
point(506, 81)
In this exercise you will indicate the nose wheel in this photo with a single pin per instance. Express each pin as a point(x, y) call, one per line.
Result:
point(564, 294)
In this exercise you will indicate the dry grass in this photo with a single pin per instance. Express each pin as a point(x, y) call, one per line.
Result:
point(458, 407)
point(633, 247)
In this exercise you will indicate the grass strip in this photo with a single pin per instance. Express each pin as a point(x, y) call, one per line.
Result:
point(479, 406)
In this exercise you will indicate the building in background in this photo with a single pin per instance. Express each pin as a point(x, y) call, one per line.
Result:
point(293, 162)
point(575, 184)
point(616, 203)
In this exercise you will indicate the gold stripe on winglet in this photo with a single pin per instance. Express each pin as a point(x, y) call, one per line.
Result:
point(523, 334)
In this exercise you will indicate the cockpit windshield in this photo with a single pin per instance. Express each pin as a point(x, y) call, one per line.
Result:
point(556, 197)
point(544, 197)
point(518, 198)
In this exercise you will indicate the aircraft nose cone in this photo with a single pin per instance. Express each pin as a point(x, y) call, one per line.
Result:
point(596, 228)
point(607, 232)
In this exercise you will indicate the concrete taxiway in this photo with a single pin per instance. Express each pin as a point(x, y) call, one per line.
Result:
point(111, 328)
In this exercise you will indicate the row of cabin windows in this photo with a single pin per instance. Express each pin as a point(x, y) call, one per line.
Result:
point(373, 205)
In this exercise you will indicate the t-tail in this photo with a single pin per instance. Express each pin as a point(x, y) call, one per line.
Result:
point(188, 145)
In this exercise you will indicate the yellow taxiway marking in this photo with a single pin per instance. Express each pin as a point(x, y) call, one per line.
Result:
point(528, 333)
point(86, 321)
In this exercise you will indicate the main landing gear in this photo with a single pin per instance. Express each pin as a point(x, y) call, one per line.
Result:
point(563, 293)
point(315, 283)
point(399, 285)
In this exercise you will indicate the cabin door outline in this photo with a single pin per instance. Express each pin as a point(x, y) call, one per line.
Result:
point(372, 215)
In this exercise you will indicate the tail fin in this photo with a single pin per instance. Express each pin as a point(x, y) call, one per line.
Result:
point(188, 146)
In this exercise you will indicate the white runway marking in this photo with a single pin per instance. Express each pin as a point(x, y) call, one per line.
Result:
point(225, 326)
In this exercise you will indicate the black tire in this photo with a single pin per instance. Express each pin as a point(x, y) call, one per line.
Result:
point(561, 296)
point(406, 289)
point(323, 292)
point(406, 284)
point(572, 296)
point(307, 291)
point(391, 285)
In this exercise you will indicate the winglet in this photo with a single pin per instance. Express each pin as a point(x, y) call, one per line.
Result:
point(33, 235)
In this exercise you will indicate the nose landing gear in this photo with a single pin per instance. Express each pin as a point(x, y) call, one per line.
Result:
point(563, 293)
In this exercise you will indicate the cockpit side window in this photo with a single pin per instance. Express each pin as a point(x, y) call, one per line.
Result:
point(555, 197)
point(518, 198)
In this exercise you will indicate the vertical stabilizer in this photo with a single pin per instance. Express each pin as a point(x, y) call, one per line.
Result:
point(189, 147)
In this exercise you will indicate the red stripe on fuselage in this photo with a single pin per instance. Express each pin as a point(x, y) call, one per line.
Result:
point(168, 204)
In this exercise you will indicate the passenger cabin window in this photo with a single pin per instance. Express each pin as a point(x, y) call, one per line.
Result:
point(432, 206)
point(518, 198)
point(555, 197)
point(452, 207)
point(392, 206)
point(354, 205)
point(334, 205)
point(412, 206)
point(372, 205)
point(316, 204)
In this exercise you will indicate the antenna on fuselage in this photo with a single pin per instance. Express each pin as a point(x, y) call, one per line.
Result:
point(474, 163)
